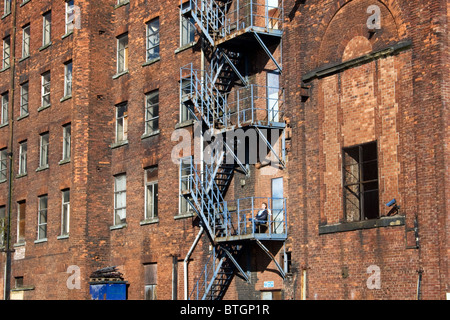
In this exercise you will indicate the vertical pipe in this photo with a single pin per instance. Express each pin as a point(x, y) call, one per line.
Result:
point(7, 279)
point(185, 262)
point(174, 277)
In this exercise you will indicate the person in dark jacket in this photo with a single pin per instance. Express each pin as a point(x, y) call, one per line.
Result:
point(261, 217)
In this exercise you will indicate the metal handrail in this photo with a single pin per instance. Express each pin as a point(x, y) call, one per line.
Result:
point(249, 105)
point(242, 218)
point(242, 14)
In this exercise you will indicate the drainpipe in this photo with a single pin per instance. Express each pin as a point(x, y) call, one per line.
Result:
point(7, 275)
point(185, 262)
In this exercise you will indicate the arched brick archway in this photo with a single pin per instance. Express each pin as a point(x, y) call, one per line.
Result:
point(346, 19)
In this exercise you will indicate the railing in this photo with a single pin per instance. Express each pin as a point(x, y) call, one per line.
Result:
point(206, 195)
point(254, 103)
point(263, 14)
point(206, 277)
point(241, 214)
point(207, 99)
point(207, 14)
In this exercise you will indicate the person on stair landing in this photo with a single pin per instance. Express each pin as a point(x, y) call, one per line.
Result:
point(261, 217)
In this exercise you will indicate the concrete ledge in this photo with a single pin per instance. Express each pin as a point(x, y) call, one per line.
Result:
point(338, 67)
point(366, 224)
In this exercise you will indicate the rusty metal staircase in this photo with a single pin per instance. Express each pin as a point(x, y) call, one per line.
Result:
point(222, 100)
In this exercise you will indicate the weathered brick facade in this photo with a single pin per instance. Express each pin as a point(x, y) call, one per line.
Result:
point(344, 84)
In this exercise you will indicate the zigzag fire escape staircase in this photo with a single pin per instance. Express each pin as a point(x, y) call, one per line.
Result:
point(223, 100)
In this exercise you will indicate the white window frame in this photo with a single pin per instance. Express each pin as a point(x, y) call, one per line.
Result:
point(42, 211)
point(67, 136)
point(2, 225)
point(65, 212)
point(7, 7)
point(120, 193)
point(24, 98)
point(3, 164)
point(46, 28)
point(26, 37)
point(46, 86)
point(152, 116)
point(43, 149)
point(152, 39)
point(187, 28)
point(4, 108)
point(122, 123)
point(122, 53)
point(23, 150)
point(183, 202)
point(151, 184)
point(69, 16)
point(6, 62)
point(20, 236)
point(68, 72)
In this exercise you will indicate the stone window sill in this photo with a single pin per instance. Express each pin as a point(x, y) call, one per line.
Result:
point(150, 134)
point(43, 108)
point(118, 75)
point(149, 221)
point(152, 61)
point(185, 47)
point(118, 144)
point(119, 226)
point(42, 168)
point(23, 116)
point(184, 215)
point(45, 46)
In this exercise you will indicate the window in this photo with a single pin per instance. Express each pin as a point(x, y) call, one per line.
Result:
point(120, 199)
point(70, 15)
point(26, 41)
point(18, 282)
point(122, 53)
point(23, 157)
point(43, 154)
point(6, 52)
point(45, 89)
point(65, 212)
point(2, 226)
point(4, 111)
point(46, 30)
point(66, 141)
point(153, 39)
point(3, 164)
point(150, 272)
point(24, 98)
point(185, 177)
point(186, 89)
point(42, 218)
point(21, 212)
point(151, 193)
point(151, 112)
point(7, 7)
point(187, 26)
point(68, 79)
point(361, 182)
point(121, 122)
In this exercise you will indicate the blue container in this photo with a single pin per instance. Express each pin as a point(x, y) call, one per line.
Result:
point(114, 290)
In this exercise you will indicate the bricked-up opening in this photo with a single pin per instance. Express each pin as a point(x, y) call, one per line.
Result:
point(150, 273)
point(361, 200)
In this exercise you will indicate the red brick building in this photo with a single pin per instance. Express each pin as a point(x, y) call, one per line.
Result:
point(324, 110)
